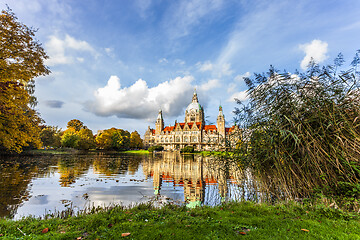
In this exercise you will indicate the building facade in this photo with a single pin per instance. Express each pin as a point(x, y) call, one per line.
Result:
point(193, 131)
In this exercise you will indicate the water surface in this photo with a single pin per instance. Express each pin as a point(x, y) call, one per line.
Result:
point(46, 184)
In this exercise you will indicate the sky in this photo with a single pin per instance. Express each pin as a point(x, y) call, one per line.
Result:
point(115, 63)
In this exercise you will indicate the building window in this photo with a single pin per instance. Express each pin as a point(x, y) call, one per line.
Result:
point(186, 139)
point(177, 139)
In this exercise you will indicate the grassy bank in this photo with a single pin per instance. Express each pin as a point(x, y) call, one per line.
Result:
point(137, 151)
point(231, 221)
point(69, 151)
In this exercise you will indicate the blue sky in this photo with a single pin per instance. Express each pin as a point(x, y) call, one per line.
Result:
point(115, 63)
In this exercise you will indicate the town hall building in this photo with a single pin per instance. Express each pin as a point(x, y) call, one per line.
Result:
point(193, 131)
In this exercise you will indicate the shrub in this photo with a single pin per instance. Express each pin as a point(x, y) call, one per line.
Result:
point(156, 148)
point(187, 149)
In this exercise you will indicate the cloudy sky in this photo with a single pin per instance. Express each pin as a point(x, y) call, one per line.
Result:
point(115, 63)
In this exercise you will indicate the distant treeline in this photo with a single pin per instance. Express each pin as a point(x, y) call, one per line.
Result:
point(78, 136)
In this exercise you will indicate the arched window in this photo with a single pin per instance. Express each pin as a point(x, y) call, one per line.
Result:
point(186, 139)
point(194, 139)
point(177, 139)
point(166, 140)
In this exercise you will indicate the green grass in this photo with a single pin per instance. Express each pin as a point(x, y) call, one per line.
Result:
point(65, 151)
point(257, 221)
point(137, 151)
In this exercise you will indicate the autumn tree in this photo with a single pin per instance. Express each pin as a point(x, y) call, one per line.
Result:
point(50, 136)
point(70, 138)
point(21, 61)
point(135, 140)
point(76, 124)
point(78, 136)
point(113, 138)
point(86, 139)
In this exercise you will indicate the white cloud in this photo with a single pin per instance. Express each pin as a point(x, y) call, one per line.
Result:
point(316, 49)
point(179, 62)
point(163, 60)
point(139, 101)
point(242, 96)
point(206, 66)
point(218, 69)
point(110, 52)
point(231, 88)
point(240, 77)
point(61, 50)
point(142, 7)
point(225, 69)
point(213, 83)
point(187, 14)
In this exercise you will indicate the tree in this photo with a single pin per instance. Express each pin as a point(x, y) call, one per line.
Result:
point(78, 136)
point(86, 139)
point(135, 140)
point(50, 136)
point(113, 138)
point(70, 138)
point(76, 124)
point(21, 61)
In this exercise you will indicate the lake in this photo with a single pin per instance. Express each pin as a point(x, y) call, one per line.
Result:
point(39, 185)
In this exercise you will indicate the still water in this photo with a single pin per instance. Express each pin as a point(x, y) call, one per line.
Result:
point(46, 184)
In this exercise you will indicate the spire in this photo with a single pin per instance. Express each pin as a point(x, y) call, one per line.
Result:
point(195, 99)
point(160, 115)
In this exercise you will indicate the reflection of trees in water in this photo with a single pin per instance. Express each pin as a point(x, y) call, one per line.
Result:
point(110, 165)
point(15, 175)
point(72, 167)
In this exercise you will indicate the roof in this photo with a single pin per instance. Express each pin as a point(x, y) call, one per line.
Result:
point(191, 124)
point(169, 129)
point(210, 127)
point(229, 130)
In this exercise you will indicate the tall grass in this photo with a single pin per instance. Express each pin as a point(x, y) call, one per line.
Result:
point(306, 126)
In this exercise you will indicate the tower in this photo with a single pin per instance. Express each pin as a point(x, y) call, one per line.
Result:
point(221, 122)
point(159, 124)
point(194, 112)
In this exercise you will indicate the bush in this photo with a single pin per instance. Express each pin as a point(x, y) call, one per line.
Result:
point(187, 149)
point(156, 148)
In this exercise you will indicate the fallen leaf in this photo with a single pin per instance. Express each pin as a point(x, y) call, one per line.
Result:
point(125, 234)
point(1, 235)
point(110, 225)
point(45, 230)
point(79, 238)
point(242, 233)
point(305, 230)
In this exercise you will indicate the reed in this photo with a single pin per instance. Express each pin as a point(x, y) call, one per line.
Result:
point(306, 127)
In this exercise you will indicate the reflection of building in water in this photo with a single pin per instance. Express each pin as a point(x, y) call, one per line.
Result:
point(192, 172)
